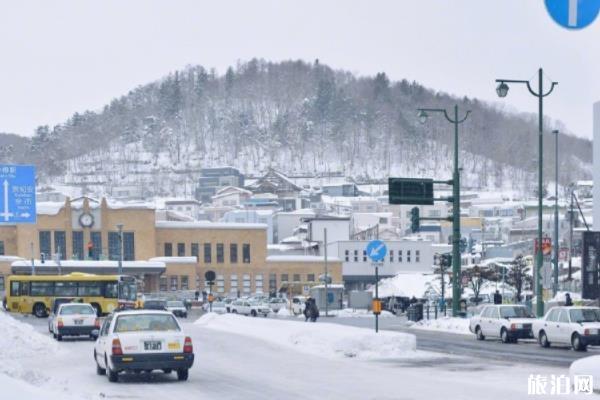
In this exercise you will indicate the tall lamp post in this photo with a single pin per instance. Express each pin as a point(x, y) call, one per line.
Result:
point(455, 201)
point(120, 228)
point(502, 91)
point(555, 259)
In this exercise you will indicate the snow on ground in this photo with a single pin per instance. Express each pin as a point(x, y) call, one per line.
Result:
point(356, 313)
point(446, 324)
point(321, 339)
point(587, 366)
point(17, 389)
point(283, 312)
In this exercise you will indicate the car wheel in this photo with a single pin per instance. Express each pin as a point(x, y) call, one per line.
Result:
point(504, 336)
point(59, 337)
point(167, 370)
point(253, 313)
point(479, 334)
point(99, 370)
point(543, 339)
point(577, 344)
point(182, 374)
point(113, 376)
point(39, 310)
point(234, 311)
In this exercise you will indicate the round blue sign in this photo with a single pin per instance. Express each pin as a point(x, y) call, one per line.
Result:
point(376, 250)
point(573, 14)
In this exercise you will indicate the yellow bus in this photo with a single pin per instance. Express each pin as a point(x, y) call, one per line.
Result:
point(35, 294)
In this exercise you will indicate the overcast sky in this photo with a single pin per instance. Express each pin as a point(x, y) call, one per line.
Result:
point(59, 57)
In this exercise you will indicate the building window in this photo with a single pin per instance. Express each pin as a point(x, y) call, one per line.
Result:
point(128, 246)
point(233, 281)
point(258, 280)
point(246, 253)
point(96, 250)
point(180, 249)
point(45, 243)
point(399, 256)
point(220, 284)
point(407, 256)
point(184, 282)
point(207, 253)
point(296, 277)
point(391, 256)
point(1, 283)
point(60, 244)
point(355, 255)
point(233, 253)
point(347, 253)
point(220, 253)
point(435, 213)
point(174, 282)
point(1, 247)
point(417, 256)
point(284, 278)
point(272, 283)
point(195, 251)
point(77, 240)
point(310, 277)
point(383, 221)
point(364, 256)
point(168, 249)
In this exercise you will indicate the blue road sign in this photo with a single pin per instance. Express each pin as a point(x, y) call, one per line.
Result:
point(376, 250)
point(573, 14)
point(17, 202)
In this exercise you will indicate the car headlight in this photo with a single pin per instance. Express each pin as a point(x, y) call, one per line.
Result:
point(516, 326)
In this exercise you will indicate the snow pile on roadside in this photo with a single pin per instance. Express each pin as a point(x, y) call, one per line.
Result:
point(321, 339)
point(355, 313)
point(587, 366)
point(17, 389)
point(407, 285)
point(446, 324)
point(283, 312)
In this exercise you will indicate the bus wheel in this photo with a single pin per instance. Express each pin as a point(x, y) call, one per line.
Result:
point(39, 310)
point(97, 308)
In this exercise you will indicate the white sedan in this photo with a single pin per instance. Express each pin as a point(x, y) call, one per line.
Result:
point(576, 326)
point(142, 340)
point(248, 307)
point(74, 319)
point(505, 321)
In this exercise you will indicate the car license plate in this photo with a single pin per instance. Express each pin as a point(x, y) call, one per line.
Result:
point(152, 345)
point(78, 322)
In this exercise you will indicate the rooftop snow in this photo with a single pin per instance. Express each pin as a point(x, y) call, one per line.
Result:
point(174, 260)
point(301, 258)
point(206, 225)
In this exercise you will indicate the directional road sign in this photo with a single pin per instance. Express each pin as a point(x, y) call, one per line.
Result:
point(573, 14)
point(410, 191)
point(376, 250)
point(17, 202)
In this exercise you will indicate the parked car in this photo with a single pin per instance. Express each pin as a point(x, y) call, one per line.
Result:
point(277, 303)
point(575, 326)
point(177, 308)
point(74, 319)
point(298, 304)
point(55, 305)
point(142, 340)
point(155, 305)
point(218, 307)
point(248, 307)
point(508, 322)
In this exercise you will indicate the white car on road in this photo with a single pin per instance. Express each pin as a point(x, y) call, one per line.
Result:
point(142, 340)
point(74, 319)
point(576, 326)
point(507, 322)
point(298, 304)
point(277, 303)
point(249, 307)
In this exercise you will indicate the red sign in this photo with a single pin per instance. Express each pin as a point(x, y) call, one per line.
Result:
point(546, 246)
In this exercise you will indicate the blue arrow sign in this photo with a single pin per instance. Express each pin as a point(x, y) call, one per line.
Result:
point(17, 202)
point(376, 250)
point(573, 14)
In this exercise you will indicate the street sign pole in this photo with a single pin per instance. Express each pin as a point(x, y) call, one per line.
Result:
point(376, 297)
point(326, 279)
point(376, 251)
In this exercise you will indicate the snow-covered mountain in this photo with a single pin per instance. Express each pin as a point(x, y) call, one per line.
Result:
point(299, 118)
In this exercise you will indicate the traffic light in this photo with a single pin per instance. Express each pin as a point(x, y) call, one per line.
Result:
point(446, 260)
point(414, 219)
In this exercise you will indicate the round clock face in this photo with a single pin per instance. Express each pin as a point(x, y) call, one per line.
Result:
point(86, 220)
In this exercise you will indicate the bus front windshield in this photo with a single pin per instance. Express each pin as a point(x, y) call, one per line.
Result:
point(127, 291)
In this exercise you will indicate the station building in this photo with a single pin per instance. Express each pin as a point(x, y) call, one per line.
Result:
point(83, 235)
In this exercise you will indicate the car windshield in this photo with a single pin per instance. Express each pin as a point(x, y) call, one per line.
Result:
point(73, 309)
point(174, 304)
point(146, 322)
point(585, 315)
point(515, 312)
point(128, 291)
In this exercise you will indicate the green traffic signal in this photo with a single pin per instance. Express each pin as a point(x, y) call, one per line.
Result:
point(414, 220)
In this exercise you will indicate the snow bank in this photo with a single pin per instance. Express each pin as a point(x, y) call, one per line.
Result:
point(587, 366)
point(16, 389)
point(320, 339)
point(407, 285)
point(447, 324)
point(283, 312)
point(352, 313)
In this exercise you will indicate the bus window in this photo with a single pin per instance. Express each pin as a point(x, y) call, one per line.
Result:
point(41, 289)
point(89, 289)
point(128, 291)
point(65, 289)
point(111, 290)
point(14, 288)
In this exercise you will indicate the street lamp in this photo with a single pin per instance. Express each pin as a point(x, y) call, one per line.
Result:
point(555, 260)
point(502, 91)
point(120, 268)
point(456, 262)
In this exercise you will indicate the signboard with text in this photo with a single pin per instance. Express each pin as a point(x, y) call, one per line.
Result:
point(17, 202)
